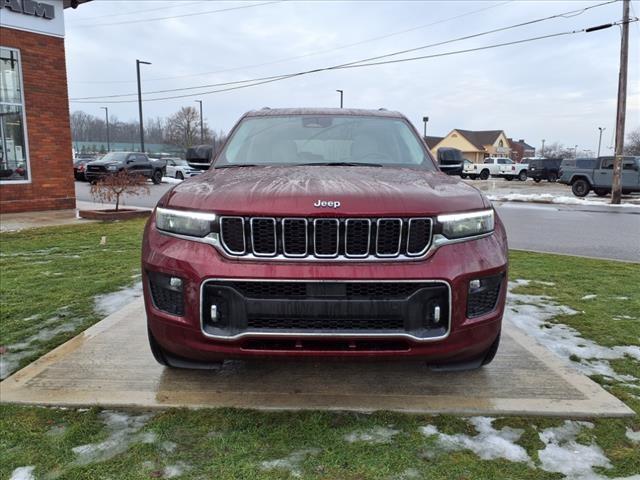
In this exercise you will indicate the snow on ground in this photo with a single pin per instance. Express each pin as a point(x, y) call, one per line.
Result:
point(489, 444)
point(112, 302)
point(374, 435)
point(633, 436)
point(171, 180)
point(589, 297)
point(47, 329)
point(532, 314)
point(292, 462)
point(173, 471)
point(551, 198)
point(123, 431)
point(23, 473)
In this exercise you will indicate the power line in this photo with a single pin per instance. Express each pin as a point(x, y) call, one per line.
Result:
point(134, 12)
point(193, 14)
point(385, 62)
point(392, 54)
point(318, 52)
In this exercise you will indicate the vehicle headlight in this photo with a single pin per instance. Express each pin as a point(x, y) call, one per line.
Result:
point(193, 224)
point(112, 168)
point(470, 224)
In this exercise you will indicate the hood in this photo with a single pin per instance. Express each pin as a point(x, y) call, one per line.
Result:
point(103, 163)
point(293, 191)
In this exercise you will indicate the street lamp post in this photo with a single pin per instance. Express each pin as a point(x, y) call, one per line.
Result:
point(425, 120)
point(106, 116)
point(602, 129)
point(542, 149)
point(201, 122)
point(575, 151)
point(138, 62)
point(341, 96)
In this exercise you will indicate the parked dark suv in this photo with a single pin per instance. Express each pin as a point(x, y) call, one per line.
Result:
point(544, 169)
point(134, 162)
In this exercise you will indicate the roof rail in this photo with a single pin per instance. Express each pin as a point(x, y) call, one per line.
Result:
point(382, 109)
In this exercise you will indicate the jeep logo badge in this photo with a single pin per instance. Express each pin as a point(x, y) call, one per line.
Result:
point(327, 204)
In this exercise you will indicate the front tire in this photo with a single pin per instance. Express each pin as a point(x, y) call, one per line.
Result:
point(168, 360)
point(484, 174)
point(537, 180)
point(156, 178)
point(508, 179)
point(522, 176)
point(491, 353)
point(552, 177)
point(179, 176)
point(580, 187)
point(463, 175)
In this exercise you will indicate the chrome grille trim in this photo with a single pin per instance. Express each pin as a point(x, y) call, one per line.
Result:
point(244, 236)
point(306, 237)
point(275, 237)
point(315, 236)
point(346, 238)
point(426, 248)
point(397, 252)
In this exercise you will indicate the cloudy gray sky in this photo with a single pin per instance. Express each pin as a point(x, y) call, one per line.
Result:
point(560, 89)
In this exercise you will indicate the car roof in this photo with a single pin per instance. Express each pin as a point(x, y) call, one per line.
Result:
point(266, 112)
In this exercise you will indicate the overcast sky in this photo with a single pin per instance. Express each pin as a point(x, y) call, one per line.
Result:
point(560, 89)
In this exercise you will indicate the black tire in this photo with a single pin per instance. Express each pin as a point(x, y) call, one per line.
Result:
point(491, 353)
point(463, 175)
point(484, 174)
point(522, 176)
point(537, 180)
point(508, 179)
point(552, 177)
point(473, 177)
point(601, 192)
point(580, 187)
point(179, 176)
point(156, 178)
point(156, 350)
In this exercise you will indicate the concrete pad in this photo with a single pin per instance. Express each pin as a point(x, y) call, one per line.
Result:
point(10, 222)
point(110, 365)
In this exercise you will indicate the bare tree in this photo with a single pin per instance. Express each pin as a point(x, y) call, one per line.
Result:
point(558, 150)
point(111, 187)
point(632, 146)
point(183, 127)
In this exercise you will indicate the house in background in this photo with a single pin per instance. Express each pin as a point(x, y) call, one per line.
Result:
point(520, 149)
point(475, 145)
point(432, 141)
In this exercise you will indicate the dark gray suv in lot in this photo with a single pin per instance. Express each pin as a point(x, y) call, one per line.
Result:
point(134, 162)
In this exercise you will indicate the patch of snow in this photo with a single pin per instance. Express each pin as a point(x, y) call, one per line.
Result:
point(171, 180)
point(546, 284)
point(292, 462)
point(112, 302)
point(123, 431)
point(489, 444)
point(633, 436)
point(168, 446)
point(589, 297)
point(56, 431)
point(23, 473)
point(532, 314)
point(172, 471)
point(556, 199)
point(409, 474)
point(375, 435)
point(621, 298)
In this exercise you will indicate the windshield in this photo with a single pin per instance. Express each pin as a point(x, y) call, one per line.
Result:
point(319, 140)
point(115, 157)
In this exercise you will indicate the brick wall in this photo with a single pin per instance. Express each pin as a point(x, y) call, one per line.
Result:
point(49, 135)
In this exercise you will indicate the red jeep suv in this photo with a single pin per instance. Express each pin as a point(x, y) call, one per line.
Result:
point(324, 232)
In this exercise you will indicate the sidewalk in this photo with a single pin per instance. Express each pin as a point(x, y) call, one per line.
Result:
point(11, 222)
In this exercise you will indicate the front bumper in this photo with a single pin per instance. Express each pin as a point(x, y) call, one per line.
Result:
point(191, 335)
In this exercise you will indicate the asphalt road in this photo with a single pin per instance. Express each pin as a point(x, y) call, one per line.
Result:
point(600, 232)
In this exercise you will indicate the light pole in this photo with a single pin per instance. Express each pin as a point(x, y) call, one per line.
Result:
point(106, 116)
point(425, 120)
point(542, 149)
point(138, 62)
point(575, 151)
point(341, 96)
point(602, 129)
point(201, 123)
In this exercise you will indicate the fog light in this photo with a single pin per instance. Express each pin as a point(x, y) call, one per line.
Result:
point(436, 314)
point(175, 283)
point(474, 284)
point(214, 313)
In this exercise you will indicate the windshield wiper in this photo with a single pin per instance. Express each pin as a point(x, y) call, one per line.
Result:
point(236, 165)
point(339, 164)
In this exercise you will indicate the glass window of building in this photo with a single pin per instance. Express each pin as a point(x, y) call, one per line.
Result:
point(13, 141)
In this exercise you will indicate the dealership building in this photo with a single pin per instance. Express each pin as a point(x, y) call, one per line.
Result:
point(36, 170)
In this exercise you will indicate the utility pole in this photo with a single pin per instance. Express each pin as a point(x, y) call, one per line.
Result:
point(542, 149)
point(575, 151)
point(201, 122)
point(106, 116)
point(341, 95)
point(425, 120)
point(602, 129)
point(138, 62)
point(616, 186)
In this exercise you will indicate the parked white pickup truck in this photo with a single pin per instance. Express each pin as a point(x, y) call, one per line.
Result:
point(490, 167)
point(514, 170)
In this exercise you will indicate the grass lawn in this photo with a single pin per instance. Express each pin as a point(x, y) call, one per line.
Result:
point(235, 444)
